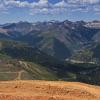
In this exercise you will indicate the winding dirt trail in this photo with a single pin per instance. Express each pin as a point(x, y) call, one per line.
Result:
point(48, 90)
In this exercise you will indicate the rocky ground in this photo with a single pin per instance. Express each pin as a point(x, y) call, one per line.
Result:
point(47, 90)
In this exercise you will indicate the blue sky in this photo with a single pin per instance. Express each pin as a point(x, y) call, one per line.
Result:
point(44, 10)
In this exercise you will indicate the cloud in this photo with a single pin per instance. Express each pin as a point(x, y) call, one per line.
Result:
point(83, 1)
point(14, 3)
point(45, 7)
point(91, 1)
point(61, 4)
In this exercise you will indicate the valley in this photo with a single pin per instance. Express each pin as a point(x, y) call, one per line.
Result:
point(67, 51)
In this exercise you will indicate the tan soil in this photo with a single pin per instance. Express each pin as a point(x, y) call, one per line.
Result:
point(48, 90)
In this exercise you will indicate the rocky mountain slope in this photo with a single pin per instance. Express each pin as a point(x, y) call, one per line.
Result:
point(55, 50)
point(21, 61)
point(54, 37)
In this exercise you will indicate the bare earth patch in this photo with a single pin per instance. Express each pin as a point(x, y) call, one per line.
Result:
point(48, 90)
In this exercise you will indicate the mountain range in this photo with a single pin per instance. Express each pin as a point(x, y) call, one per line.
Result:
point(59, 39)
point(50, 50)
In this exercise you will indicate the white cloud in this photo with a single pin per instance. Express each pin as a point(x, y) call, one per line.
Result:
point(91, 1)
point(41, 4)
point(61, 4)
point(44, 6)
point(83, 1)
point(14, 3)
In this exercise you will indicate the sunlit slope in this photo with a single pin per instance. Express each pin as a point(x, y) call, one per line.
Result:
point(13, 69)
point(47, 90)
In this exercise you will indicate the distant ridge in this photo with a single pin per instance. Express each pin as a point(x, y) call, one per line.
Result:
point(54, 37)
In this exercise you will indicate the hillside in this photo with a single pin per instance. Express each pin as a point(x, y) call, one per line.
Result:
point(21, 61)
point(55, 37)
point(67, 51)
point(47, 90)
point(14, 69)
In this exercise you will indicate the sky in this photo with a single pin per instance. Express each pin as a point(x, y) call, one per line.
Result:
point(46, 10)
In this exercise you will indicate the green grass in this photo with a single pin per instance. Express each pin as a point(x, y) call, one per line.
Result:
point(32, 70)
point(8, 76)
point(39, 72)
